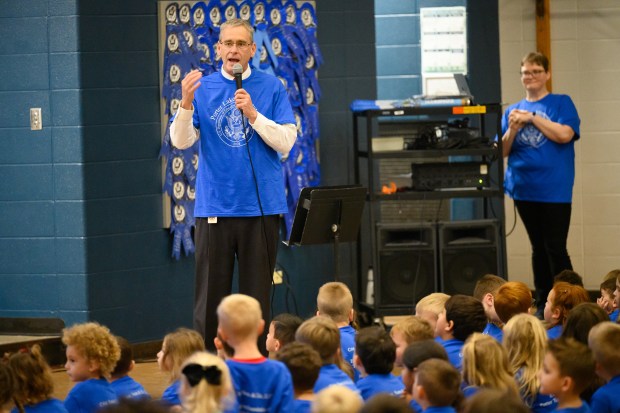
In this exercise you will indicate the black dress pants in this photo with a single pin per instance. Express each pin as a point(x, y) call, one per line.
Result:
point(547, 227)
point(253, 241)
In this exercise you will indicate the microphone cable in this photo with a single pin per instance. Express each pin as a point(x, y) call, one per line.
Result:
point(260, 206)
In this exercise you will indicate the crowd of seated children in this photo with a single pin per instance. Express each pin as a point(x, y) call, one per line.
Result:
point(409, 330)
point(436, 386)
point(415, 354)
point(568, 368)
point(322, 334)
point(484, 291)
point(92, 352)
point(512, 298)
point(206, 386)
point(175, 349)
point(304, 364)
point(603, 341)
point(430, 306)
point(485, 365)
point(335, 301)
point(260, 384)
point(33, 385)
point(375, 353)
point(121, 382)
point(528, 370)
point(562, 298)
point(281, 332)
point(462, 316)
point(525, 340)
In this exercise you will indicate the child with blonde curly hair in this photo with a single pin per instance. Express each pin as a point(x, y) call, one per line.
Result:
point(206, 386)
point(92, 353)
point(485, 365)
point(525, 340)
point(175, 349)
point(34, 386)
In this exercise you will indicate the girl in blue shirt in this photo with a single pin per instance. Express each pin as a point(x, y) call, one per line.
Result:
point(33, 383)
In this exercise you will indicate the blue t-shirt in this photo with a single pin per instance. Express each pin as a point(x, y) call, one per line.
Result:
point(89, 396)
point(453, 347)
point(539, 169)
point(46, 406)
point(554, 332)
point(329, 375)
point(380, 383)
point(607, 398)
point(494, 331)
point(261, 385)
point(613, 317)
point(171, 394)
point(224, 183)
point(583, 409)
point(302, 406)
point(415, 406)
point(540, 403)
point(129, 388)
point(347, 347)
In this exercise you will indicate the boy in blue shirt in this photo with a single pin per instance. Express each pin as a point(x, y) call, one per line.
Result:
point(281, 332)
point(374, 358)
point(322, 334)
point(485, 290)
point(304, 363)
point(92, 352)
point(260, 384)
point(568, 369)
point(462, 316)
point(603, 341)
point(335, 301)
point(437, 386)
point(123, 385)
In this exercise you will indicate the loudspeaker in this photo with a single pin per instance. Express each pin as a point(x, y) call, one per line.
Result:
point(407, 265)
point(468, 250)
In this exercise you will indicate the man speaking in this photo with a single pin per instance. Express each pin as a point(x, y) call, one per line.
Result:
point(242, 125)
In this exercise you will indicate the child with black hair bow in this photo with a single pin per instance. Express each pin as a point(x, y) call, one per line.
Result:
point(206, 386)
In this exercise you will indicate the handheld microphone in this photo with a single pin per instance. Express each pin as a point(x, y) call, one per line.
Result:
point(237, 72)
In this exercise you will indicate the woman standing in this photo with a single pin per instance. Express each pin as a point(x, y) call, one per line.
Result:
point(539, 133)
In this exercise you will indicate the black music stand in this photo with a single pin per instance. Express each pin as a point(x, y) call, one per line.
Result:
point(328, 214)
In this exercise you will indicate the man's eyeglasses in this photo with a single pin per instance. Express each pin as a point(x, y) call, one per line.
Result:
point(240, 44)
point(527, 73)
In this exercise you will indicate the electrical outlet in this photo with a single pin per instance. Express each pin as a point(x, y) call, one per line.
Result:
point(277, 277)
point(36, 123)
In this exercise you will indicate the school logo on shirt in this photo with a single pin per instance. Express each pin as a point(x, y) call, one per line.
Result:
point(531, 136)
point(229, 124)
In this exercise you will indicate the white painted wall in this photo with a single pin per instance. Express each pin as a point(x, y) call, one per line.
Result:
point(585, 57)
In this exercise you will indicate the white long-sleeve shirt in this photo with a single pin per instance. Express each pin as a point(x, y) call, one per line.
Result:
point(280, 138)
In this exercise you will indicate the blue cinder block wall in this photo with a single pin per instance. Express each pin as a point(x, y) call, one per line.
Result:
point(81, 234)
